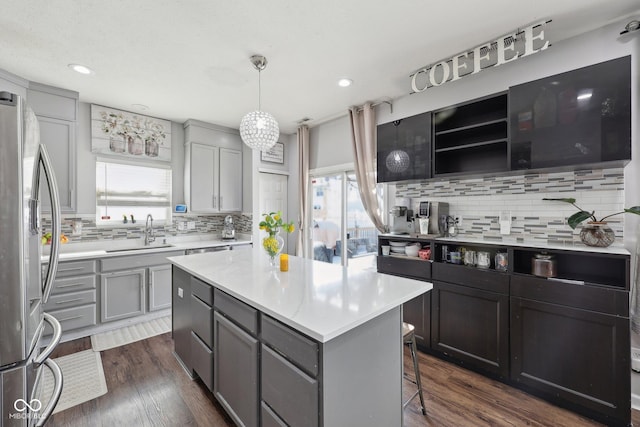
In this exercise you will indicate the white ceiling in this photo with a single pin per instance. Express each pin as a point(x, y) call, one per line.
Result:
point(189, 59)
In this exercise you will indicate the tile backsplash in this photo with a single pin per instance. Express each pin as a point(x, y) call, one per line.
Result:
point(479, 202)
point(203, 224)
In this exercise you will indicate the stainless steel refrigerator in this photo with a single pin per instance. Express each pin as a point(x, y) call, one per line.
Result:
point(23, 289)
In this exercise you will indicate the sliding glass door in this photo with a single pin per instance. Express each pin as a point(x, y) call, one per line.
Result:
point(337, 217)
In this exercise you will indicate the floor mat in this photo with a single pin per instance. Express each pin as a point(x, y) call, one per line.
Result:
point(83, 379)
point(129, 334)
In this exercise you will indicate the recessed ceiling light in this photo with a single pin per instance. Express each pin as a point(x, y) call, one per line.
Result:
point(344, 82)
point(82, 69)
point(140, 107)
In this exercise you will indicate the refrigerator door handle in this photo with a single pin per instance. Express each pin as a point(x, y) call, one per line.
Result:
point(52, 267)
point(57, 392)
point(55, 339)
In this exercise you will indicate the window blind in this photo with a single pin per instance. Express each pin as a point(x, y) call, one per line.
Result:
point(125, 189)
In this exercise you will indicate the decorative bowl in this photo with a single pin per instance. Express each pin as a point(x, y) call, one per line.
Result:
point(412, 250)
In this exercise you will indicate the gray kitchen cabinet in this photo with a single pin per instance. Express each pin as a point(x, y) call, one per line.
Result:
point(73, 297)
point(159, 287)
point(122, 294)
point(235, 371)
point(181, 317)
point(57, 111)
point(213, 168)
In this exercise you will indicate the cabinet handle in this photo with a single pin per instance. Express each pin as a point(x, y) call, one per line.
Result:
point(69, 300)
point(71, 269)
point(214, 201)
point(70, 318)
point(220, 202)
point(68, 285)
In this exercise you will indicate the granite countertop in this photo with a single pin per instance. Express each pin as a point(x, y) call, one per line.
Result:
point(113, 248)
point(616, 248)
point(319, 299)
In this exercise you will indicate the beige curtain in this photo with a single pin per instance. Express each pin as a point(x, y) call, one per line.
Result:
point(303, 180)
point(363, 136)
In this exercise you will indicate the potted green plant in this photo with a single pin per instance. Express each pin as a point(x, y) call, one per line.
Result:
point(596, 232)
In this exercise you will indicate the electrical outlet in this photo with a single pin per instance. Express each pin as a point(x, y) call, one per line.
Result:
point(458, 220)
point(182, 225)
point(191, 225)
point(635, 359)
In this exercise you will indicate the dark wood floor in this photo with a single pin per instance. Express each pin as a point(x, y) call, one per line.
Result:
point(147, 387)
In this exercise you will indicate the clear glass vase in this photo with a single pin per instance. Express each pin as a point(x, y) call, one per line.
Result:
point(597, 234)
point(273, 245)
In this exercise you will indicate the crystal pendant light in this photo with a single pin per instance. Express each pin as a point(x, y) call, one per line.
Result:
point(398, 160)
point(258, 129)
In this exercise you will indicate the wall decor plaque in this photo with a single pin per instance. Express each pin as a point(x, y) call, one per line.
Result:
point(126, 134)
point(274, 154)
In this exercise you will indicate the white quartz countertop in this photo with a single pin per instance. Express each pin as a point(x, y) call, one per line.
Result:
point(616, 248)
point(319, 299)
point(113, 248)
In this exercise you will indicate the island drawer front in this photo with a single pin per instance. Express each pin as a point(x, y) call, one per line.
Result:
point(270, 418)
point(74, 318)
point(202, 360)
point(73, 268)
point(586, 297)
point(202, 290)
point(291, 393)
point(300, 350)
point(488, 280)
point(241, 313)
point(128, 262)
point(68, 284)
point(71, 299)
point(202, 320)
point(415, 268)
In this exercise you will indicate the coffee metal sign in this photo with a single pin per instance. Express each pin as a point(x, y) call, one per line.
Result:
point(507, 48)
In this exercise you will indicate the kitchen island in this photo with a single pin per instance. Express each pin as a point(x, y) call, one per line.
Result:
point(318, 345)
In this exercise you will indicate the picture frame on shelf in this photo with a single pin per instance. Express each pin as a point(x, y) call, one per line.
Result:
point(273, 155)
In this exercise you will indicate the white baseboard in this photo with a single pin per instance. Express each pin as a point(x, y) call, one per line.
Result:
point(635, 401)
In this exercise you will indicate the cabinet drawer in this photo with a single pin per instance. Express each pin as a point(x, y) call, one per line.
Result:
point(488, 280)
point(202, 320)
point(270, 418)
point(202, 360)
point(299, 349)
point(586, 297)
point(73, 268)
point(74, 318)
point(137, 261)
point(70, 284)
point(241, 313)
point(291, 393)
point(416, 268)
point(71, 299)
point(202, 290)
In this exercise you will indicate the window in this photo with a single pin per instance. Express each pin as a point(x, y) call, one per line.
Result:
point(338, 216)
point(126, 189)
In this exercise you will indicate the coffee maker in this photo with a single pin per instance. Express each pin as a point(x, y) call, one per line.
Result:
point(435, 214)
point(401, 217)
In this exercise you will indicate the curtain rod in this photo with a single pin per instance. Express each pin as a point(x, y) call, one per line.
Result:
point(344, 113)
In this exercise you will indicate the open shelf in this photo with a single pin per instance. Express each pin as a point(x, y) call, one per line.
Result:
point(472, 137)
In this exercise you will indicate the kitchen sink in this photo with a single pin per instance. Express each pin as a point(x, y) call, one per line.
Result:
point(140, 248)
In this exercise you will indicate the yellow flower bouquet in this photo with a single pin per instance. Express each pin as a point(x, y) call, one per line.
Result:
point(272, 224)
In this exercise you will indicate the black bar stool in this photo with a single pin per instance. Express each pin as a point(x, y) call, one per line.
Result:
point(409, 339)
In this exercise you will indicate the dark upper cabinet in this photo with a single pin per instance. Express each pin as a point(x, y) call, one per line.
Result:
point(579, 117)
point(472, 137)
point(404, 149)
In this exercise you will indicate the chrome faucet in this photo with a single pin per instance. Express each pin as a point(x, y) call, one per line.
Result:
point(148, 231)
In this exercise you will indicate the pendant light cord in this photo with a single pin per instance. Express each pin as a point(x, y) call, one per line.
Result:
point(259, 91)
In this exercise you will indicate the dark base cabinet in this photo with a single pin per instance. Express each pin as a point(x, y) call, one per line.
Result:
point(181, 316)
point(575, 357)
point(470, 325)
point(418, 313)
